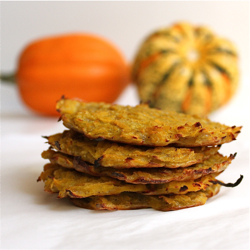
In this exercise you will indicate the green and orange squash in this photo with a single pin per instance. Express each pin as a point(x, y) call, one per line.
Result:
point(187, 69)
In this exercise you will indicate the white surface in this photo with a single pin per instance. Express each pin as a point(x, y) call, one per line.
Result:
point(33, 219)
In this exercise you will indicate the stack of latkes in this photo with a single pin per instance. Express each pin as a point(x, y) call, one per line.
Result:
point(115, 157)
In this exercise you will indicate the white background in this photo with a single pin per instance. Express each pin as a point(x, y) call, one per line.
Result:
point(124, 23)
point(32, 219)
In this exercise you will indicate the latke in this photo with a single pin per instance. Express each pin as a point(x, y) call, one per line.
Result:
point(215, 164)
point(111, 154)
point(74, 184)
point(141, 125)
point(128, 201)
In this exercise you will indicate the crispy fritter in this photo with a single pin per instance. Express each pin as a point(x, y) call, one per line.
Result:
point(111, 154)
point(128, 201)
point(142, 125)
point(215, 164)
point(79, 185)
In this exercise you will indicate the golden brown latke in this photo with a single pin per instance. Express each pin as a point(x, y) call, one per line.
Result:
point(111, 154)
point(79, 185)
point(128, 201)
point(215, 164)
point(142, 125)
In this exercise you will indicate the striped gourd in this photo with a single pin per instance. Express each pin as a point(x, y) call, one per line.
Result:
point(187, 69)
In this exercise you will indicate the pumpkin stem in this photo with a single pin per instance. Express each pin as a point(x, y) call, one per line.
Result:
point(8, 78)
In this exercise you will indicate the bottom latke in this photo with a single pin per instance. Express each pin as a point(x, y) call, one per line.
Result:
point(129, 201)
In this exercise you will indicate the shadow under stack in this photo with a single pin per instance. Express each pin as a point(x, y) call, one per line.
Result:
point(115, 157)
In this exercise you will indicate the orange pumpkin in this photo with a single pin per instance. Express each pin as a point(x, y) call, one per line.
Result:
point(77, 65)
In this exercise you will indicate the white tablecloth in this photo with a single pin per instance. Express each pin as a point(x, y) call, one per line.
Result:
point(33, 219)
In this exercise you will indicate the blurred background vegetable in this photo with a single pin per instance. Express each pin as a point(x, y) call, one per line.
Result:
point(74, 65)
point(187, 69)
point(109, 20)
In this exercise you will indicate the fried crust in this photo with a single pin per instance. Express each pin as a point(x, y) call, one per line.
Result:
point(111, 154)
point(74, 184)
point(141, 125)
point(128, 201)
point(215, 164)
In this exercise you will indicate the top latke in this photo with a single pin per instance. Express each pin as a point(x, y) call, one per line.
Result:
point(141, 125)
